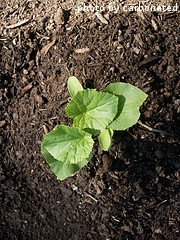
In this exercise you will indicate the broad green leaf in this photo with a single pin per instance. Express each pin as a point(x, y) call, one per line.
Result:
point(105, 139)
point(60, 169)
point(68, 144)
point(74, 86)
point(130, 100)
point(92, 109)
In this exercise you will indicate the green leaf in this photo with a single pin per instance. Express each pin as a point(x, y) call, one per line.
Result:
point(60, 169)
point(105, 139)
point(74, 86)
point(68, 144)
point(92, 131)
point(92, 109)
point(130, 100)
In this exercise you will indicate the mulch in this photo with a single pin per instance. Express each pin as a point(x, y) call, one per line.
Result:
point(130, 192)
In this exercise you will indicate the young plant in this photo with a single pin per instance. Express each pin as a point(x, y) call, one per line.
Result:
point(68, 149)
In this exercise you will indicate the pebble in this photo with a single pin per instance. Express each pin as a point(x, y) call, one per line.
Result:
point(74, 187)
point(25, 72)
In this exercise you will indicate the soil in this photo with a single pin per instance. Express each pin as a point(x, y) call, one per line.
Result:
point(131, 192)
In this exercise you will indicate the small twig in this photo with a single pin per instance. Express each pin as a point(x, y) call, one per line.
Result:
point(94, 199)
point(161, 203)
point(154, 130)
point(82, 50)
point(18, 24)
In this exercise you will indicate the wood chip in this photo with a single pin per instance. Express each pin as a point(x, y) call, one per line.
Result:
point(82, 50)
point(27, 87)
point(136, 50)
point(18, 24)
point(138, 39)
point(45, 129)
point(126, 228)
point(38, 57)
point(141, 15)
point(154, 24)
point(2, 123)
point(101, 18)
point(39, 99)
point(15, 117)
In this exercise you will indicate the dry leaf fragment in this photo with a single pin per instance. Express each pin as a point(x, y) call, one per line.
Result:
point(138, 39)
point(46, 48)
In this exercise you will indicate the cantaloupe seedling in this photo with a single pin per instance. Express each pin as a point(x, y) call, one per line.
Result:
point(94, 113)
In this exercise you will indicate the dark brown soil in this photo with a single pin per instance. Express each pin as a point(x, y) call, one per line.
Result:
point(132, 192)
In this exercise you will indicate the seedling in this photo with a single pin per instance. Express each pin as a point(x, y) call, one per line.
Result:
point(68, 149)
